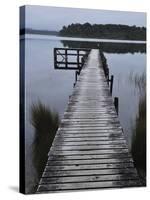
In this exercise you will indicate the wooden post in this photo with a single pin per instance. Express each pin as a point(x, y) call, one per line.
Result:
point(107, 75)
point(55, 57)
point(76, 76)
point(78, 59)
point(79, 71)
point(111, 83)
point(82, 60)
point(66, 58)
point(116, 103)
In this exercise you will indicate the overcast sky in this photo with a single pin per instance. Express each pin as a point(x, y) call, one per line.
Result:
point(53, 18)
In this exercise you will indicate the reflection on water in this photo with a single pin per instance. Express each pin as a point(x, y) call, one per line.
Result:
point(107, 46)
point(53, 87)
point(45, 123)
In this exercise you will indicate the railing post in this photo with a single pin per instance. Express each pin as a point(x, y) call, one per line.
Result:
point(55, 57)
point(107, 75)
point(111, 83)
point(82, 60)
point(116, 103)
point(76, 76)
point(78, 59)
point(66, 58)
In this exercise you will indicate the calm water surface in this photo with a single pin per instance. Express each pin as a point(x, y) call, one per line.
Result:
point(53, 87)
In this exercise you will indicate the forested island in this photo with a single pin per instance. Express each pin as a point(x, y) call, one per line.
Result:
point(107, 31)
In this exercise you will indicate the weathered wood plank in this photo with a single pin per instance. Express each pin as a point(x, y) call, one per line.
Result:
point(88, 166)
point(83, 128)
point(76, 139)
point(85, 135)
point(89, 157)
point(86, 162)
point(88, 172)
point(89, 117)
point(89, 123)
point(89, 147)
point(88, 110)
point(98, 125)
point(82, 143)
point(92, 152)
point(90, 120)
point(99, 129)
point(73, 179)
point(88, 185)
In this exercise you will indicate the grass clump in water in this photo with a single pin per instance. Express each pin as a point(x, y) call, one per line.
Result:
point(138, 148)
point(45, 123)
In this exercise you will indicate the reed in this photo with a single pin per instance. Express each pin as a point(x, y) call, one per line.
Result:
point(45, 123)
point(138, 147)
point(139, 81)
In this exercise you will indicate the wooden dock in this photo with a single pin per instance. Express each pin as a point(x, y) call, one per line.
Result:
point(89, 150)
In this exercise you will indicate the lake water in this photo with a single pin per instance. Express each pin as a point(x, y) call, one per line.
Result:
point(52, 87)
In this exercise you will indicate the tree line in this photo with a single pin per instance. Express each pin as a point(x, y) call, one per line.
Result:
point(104, 31)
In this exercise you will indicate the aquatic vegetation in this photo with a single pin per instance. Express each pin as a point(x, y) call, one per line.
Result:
point(139, 81)
point(138, 148)
point(138, 145)
point(46, 124)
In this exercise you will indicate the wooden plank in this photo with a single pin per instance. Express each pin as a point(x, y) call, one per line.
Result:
point(99, 178)
point(87, 147)
point(76, 134)
point(88, 185)
point(87, 123)
point(76, 139)
point(75, 143)
point(91, 112)
point(90, 120)
point(103, 129)
point(88, 166)
point(92, 107)
point(89, 157)
point(90, 130)
point(92, 125)
point(89, 117)
point(86, 162)
point(89, 133)
point(89, 104)
point(88, 172)
point(92, 152)
point(91, 137)
point(85, 110)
